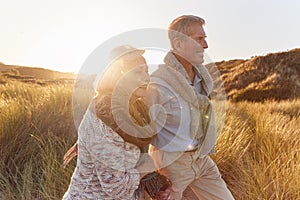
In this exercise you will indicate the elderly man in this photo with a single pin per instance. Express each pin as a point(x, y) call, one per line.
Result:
point(185, 116)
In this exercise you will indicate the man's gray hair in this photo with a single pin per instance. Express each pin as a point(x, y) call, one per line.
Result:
point(180, 26)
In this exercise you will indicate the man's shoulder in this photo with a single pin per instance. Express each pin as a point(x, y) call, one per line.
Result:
point(160, 73)
point(160, 67)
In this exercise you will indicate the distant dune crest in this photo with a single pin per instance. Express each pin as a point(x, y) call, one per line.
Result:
point(33, 75)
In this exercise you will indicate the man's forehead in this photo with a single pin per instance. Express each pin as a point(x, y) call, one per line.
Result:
point(197, 29)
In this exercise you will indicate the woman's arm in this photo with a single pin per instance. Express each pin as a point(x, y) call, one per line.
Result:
point(107, 153)
point(146, 166)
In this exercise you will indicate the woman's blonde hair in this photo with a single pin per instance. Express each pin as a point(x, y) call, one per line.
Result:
point(119, 66)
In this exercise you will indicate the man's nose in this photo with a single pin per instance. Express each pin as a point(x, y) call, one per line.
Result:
point(204, 44)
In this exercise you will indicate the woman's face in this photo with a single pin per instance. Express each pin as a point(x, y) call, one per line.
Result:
point(136, 78)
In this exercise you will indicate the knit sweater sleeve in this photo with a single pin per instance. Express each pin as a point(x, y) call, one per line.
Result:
point(108, 154)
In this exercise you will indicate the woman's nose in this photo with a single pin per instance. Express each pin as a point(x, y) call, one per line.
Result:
point(147, 77)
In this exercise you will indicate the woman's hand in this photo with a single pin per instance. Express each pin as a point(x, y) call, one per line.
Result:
point(165, 195)
point(71, 153)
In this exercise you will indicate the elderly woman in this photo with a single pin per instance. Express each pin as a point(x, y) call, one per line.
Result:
point(113, 135)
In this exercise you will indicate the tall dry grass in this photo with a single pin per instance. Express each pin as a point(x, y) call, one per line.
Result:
point(36, 128)
point(257, 151)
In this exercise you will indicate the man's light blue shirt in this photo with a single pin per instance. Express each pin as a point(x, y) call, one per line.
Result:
point(174, 131)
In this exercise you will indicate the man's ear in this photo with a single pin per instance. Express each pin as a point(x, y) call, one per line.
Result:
point(177, 44)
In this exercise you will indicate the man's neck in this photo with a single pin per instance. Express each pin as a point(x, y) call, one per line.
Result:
point(187, 66)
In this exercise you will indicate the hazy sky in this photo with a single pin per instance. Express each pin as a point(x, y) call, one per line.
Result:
point(60, 34)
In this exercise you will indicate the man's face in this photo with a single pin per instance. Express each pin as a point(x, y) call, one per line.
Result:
point(192, 47)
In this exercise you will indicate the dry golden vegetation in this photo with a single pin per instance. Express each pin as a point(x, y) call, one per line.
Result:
point(36, 128)
point(258, 150)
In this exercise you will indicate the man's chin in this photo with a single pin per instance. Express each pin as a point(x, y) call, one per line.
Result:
point(198, 62)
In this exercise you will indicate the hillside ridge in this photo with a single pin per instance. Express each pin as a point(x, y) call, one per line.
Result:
point(273, 76)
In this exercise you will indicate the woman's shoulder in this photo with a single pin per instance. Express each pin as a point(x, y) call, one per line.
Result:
point(103, 141)
point(96, 130)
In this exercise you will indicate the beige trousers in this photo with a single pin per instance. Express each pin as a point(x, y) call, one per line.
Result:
point(186, 169)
